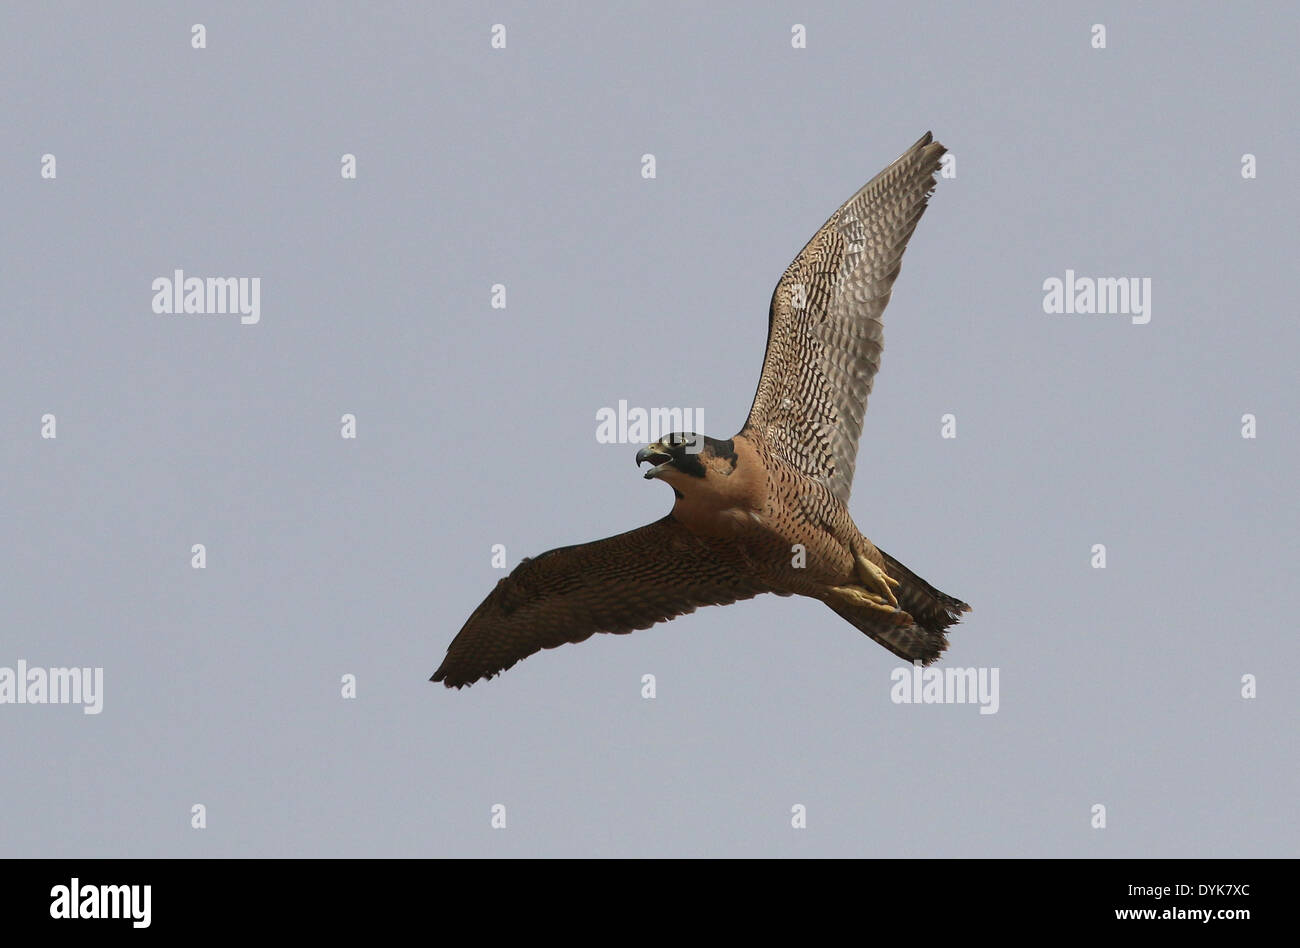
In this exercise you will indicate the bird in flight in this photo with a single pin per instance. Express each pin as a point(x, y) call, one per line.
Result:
point(765, 511)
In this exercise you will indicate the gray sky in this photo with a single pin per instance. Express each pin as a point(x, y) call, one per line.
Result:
point(476, 426)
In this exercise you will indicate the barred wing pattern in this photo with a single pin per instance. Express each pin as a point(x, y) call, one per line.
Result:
point(825, 329)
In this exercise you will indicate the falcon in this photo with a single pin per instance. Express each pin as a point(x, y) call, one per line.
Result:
point(765, 511)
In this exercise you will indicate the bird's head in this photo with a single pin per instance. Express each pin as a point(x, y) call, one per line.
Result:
point(684, 456)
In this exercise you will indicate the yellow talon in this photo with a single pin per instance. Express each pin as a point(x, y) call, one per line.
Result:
point(873, 577)
point(857, 596)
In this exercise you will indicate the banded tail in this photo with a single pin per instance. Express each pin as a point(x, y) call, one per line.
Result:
point(916, 632)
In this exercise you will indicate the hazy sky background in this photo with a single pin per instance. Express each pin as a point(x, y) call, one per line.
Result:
point(476, 426)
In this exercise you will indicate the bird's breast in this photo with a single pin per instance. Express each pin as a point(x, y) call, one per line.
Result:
point(707, 517)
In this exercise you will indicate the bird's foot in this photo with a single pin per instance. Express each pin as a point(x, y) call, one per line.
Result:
point(856, 596)
point(875, 579)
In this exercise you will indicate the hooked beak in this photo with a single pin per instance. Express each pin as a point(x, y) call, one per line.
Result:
point(657, 456)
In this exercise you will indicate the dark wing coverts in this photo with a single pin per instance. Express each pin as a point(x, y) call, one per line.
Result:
point(621, 583)
point(825, 330)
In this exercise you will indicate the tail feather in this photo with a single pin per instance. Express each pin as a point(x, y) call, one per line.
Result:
point(916, 632)
point(933, 610)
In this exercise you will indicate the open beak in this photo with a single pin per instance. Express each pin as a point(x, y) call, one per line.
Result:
point(657, 456)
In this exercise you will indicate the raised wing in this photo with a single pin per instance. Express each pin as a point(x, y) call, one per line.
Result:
point(621, 583)
point(825, 332)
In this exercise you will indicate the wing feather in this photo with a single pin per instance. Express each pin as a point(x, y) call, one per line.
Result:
point(825, 328)
point(618, 584)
